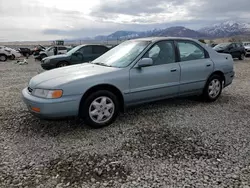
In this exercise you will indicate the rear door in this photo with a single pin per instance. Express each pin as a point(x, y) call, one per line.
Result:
point(196, 66)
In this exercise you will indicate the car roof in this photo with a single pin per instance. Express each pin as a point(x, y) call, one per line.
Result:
point(156, 39)
point(93, 45)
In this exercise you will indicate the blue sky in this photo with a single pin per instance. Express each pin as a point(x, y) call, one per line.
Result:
point(53, 19)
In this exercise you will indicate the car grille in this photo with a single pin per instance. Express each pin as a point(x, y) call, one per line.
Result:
point(248, 50)
point(30, 90)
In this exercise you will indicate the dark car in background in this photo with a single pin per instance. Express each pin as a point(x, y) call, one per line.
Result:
point(79, 54)
point(236, 49)
point(26, 52)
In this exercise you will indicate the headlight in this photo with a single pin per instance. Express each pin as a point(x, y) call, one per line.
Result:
point(49, 94)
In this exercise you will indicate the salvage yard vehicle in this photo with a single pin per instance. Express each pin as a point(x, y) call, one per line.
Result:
point(8, 53)
point(26, 52)
point(53, 50)
point(14, 53)
point(247, 48)
point(37, 49)
point(4, 53)
point(134, 72)
point(79, 54)
point(236, 49)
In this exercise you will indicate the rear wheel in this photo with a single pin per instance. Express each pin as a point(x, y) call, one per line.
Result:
point(62, 64)
point(242, 56)
point(3, 57)
point(213, 88)
point(100, 109)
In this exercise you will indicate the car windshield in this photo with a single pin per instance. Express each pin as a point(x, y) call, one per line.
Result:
point(222, 45)
point(73, 50)
point(123, 54)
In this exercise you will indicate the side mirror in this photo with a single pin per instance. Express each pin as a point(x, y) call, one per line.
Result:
point(144, 62)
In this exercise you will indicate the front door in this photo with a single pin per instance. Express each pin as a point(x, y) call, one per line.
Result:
point(196, 66)
point(161, 80)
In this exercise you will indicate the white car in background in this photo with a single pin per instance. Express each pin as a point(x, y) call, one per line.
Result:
point(4, 53)
point(247, 47)
point(14, 53)
point(8, 53)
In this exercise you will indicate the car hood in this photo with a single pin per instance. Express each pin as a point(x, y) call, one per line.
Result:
point(247, 47)
point(61, 56)
point(57, 77)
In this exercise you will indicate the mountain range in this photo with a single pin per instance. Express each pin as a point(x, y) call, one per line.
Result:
point(220, 30)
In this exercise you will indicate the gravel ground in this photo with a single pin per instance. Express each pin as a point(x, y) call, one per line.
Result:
point(172, 143)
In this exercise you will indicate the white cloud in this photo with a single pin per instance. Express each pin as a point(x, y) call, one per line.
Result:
point(52, 19)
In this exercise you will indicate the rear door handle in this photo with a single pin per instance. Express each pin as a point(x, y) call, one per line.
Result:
point(208, 65)
point(173, 70)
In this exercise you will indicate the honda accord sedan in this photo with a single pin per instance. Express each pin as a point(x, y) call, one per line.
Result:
point(134, 72)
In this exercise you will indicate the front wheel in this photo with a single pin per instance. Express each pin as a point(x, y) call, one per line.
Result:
point(3, 57)
point(213, 88)
point(100, 109)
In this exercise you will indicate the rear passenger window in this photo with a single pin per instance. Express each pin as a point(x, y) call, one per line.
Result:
point(189, 51)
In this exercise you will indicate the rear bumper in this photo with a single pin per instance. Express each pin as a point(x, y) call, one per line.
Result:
point(229, 78)
point(67, 106)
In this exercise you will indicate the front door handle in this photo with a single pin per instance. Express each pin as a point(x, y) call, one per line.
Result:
point(173, 70)
point(208, 65)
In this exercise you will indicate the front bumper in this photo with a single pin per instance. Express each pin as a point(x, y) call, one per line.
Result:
point(67, 106)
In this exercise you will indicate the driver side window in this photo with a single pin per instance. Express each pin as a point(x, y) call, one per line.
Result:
point(161, 53)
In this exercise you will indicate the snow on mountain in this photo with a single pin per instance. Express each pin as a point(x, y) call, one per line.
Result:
point(226, 29)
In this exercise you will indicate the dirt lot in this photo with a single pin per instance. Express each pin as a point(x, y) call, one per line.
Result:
point(172, 143)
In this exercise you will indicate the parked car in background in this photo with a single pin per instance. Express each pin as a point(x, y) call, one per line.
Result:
point(4, 53)
point(79, 54)
point(53, 50)
point(26, 52)
point(37, 49)
point(134, 72)
point(236, 49)
point(247, 48)
point(14, 53)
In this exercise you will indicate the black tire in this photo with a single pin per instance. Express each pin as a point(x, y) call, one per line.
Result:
point(12, 57)
point(242, 56)
point(86, 104)
point(62, 64)
point(206, 93)
point(3, 57)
